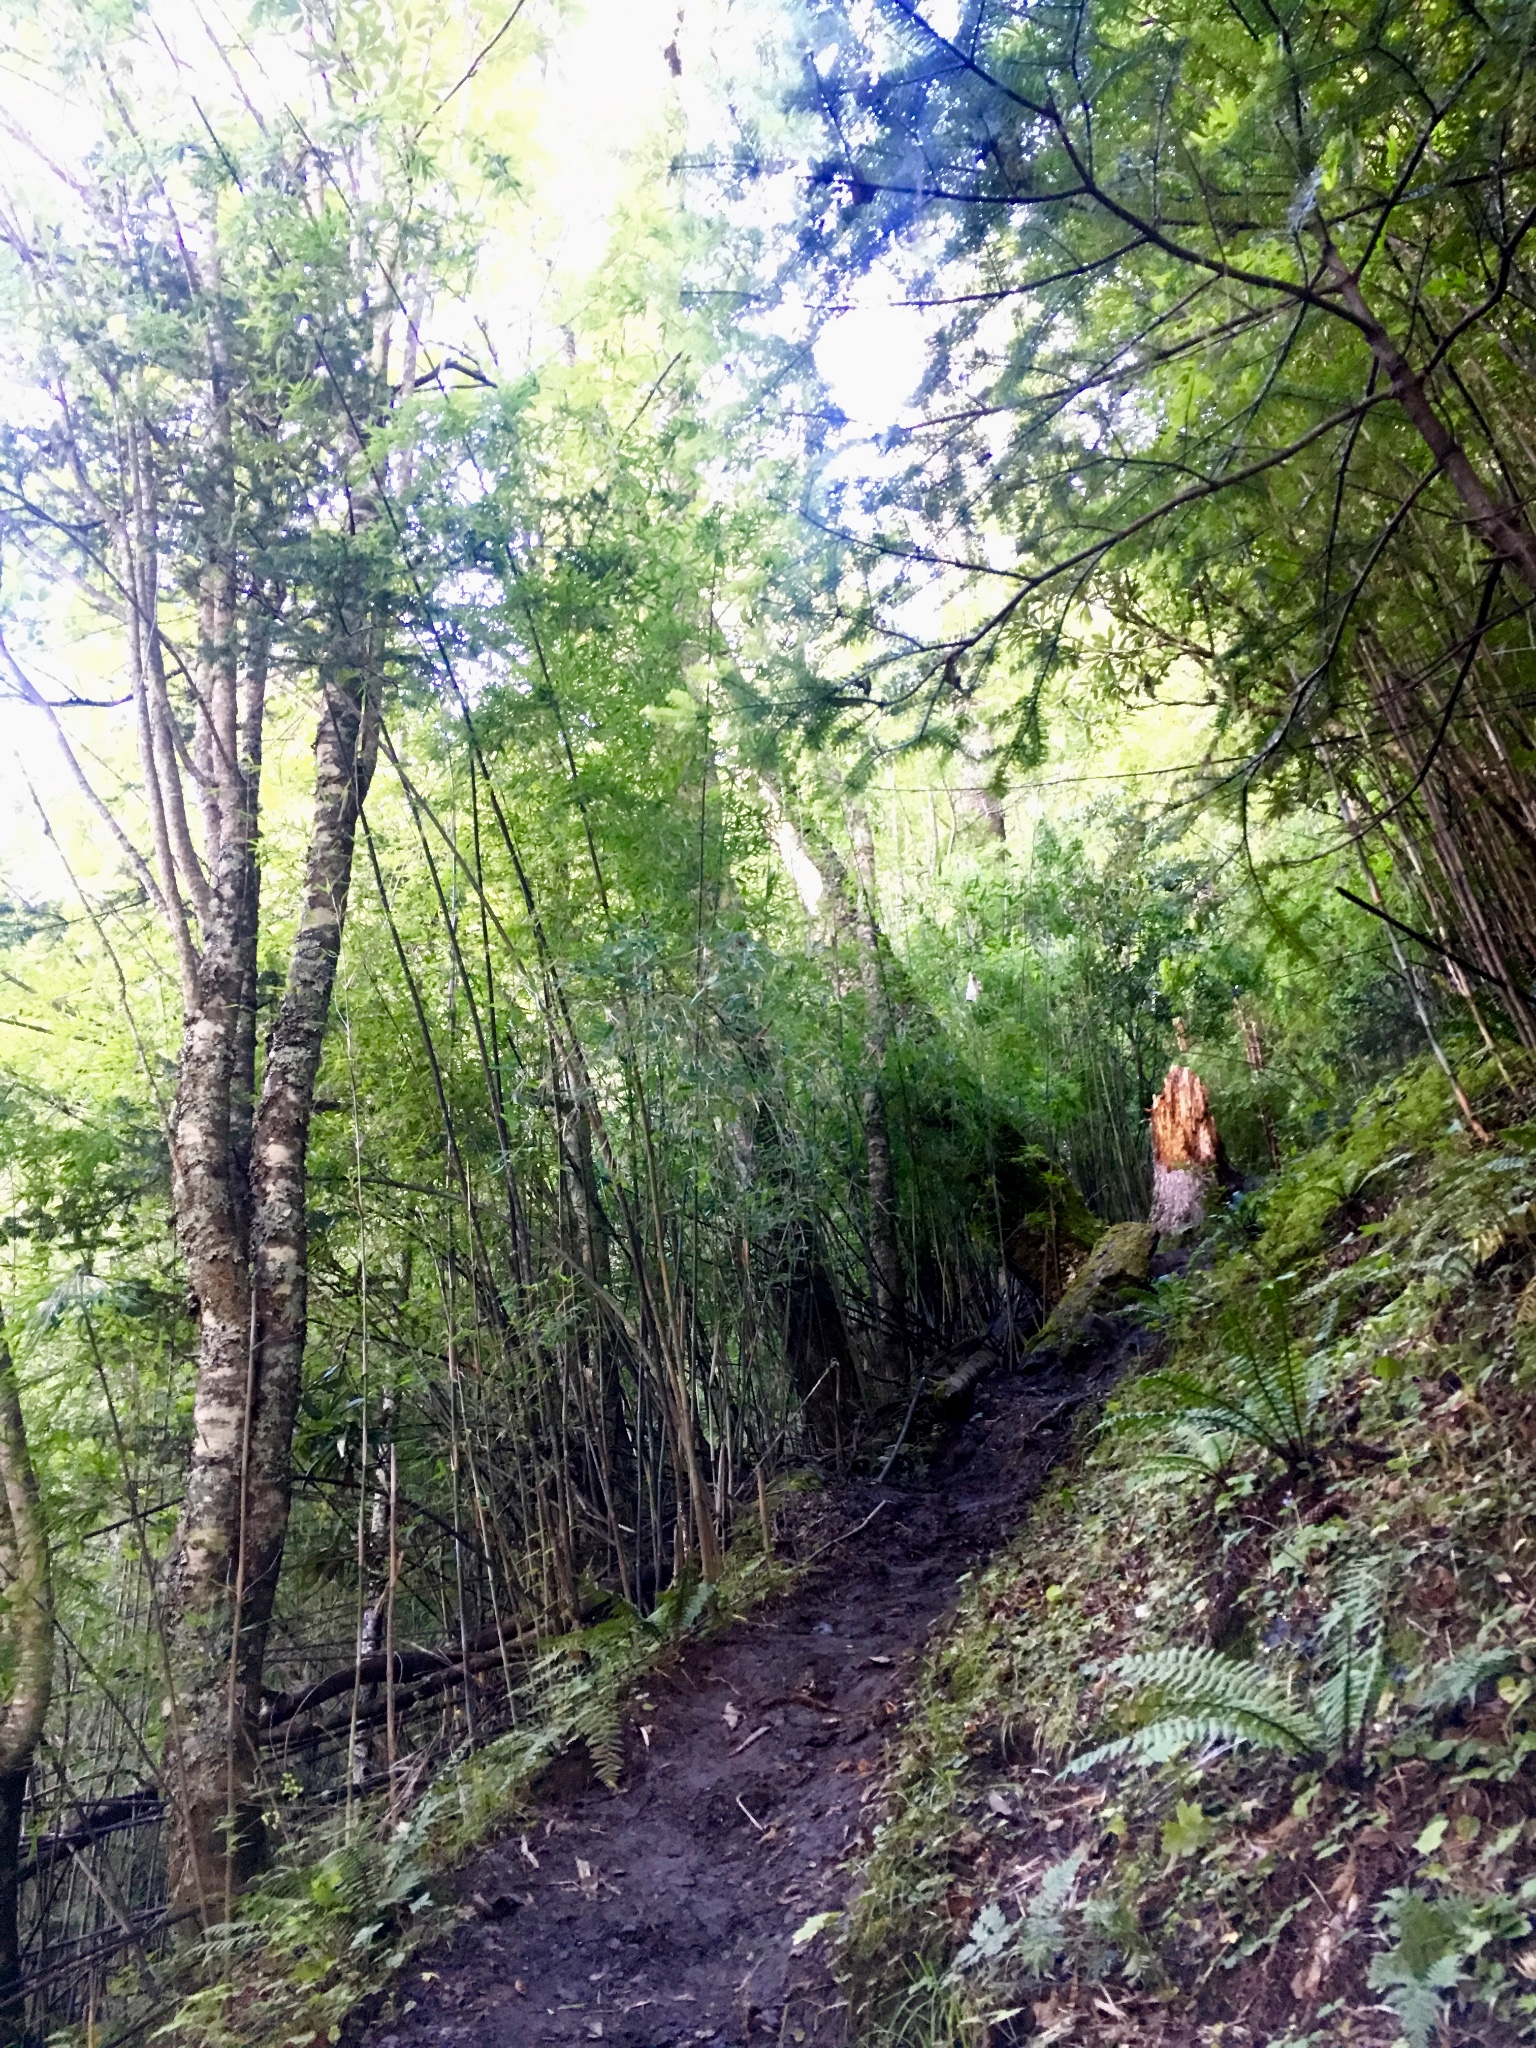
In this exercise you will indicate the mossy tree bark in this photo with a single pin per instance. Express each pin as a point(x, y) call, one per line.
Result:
point(238, 1136)
point(247, 1259)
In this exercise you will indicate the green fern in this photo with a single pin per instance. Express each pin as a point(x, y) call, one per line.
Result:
point(596, 1718)
point(1269, 1395)
point(1455, 1681)
point(681, 1607)
point(1189, 1696)
point(1353, 1638)
point(1191, 1452)
point(1434, 1937)
point(1184, 1697)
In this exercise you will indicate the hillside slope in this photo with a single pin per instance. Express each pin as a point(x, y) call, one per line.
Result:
point(1232, 1744)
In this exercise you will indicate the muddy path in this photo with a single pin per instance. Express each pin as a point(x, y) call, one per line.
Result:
point(664, 1912)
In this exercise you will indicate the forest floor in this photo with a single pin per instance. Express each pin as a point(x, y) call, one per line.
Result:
point(666, 1911)
point(1200, 1880)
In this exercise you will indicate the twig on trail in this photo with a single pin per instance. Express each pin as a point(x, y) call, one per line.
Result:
point(761, 1826)
point(1044, 1421)
point(756, 1736)
point(801, 1699)
point(902, 1434)
point(847, 1533)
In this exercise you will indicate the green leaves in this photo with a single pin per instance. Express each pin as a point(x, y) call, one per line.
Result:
point(1187, 1832)
point(1269, 1399)
point(1210, 457)
point(1433, 1938)
point(1353, 1639)
point(1187, 1696)
point(1035, 1938)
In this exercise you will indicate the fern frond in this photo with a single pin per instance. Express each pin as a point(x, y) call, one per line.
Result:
point(1191, 1696)
point(1353, 1636)
point(1270, 1396)
point(1198, 1681)
point(598, 1721)
point(1160, 1741)
point(1358, 1585)
point(1204, 1454)
point(1105, 1753)
point(1163, 1401)
point(1458, 1678)
point(1278, 1387)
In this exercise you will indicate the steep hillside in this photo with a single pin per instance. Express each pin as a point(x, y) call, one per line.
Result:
point(1232, 1744)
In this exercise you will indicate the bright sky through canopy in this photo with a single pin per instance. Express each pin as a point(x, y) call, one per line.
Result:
point(604, 88)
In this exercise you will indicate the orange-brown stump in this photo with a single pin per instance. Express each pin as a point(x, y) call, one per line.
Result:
point(1186, 1153)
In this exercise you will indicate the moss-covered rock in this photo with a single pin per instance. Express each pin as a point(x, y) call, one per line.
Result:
point(1118, 1264)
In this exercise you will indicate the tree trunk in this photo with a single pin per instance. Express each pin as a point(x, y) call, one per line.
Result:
point(27, 1637)
point(13, 1793)
point(887, 1289)
point(214, 1841)
point(251, 1290)
point(1186, 1153)
point(822, 883)
point(1502, 528)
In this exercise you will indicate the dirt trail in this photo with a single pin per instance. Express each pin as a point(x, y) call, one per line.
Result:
point(663, 1913)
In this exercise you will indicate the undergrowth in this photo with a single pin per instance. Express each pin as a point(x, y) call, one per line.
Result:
point(322, 1935)
point(1233, 1744)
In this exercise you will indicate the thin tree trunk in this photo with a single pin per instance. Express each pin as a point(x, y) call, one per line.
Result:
point(822, 882)
point(1502, 528)
point(887, 1288)
point(28, 1642)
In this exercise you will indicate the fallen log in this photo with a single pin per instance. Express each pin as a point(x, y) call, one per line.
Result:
point(1119, 1263)
point(377, 1712)
point(401, 1668)
point(92, 1823)
point(967, 1373)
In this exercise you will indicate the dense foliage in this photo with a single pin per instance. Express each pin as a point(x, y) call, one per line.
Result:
point(560, 922)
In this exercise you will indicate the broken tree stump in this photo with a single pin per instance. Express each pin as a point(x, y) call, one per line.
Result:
point(1186, 1153)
